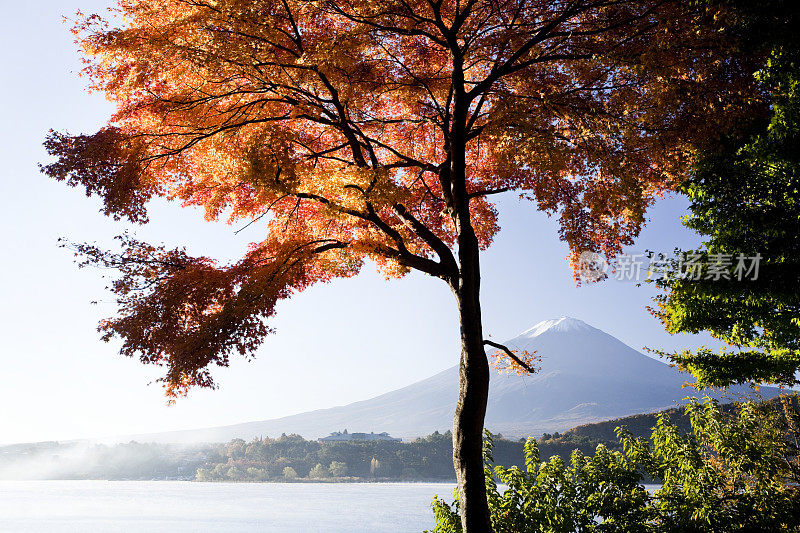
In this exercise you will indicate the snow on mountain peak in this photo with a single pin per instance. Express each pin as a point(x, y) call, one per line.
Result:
point(561, 325)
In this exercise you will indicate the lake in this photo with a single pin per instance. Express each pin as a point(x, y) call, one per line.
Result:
point(183, 506)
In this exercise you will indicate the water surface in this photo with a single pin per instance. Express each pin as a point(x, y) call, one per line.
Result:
point(182, 506)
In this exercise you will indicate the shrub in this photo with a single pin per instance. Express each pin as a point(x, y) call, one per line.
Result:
point(338, 469)
point(318, 472)
point(728, 474)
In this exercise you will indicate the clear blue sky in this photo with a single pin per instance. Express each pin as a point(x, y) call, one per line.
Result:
point(336, 343)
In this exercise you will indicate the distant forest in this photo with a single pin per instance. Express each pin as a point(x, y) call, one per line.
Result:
point(286, 458)
point(292, 458)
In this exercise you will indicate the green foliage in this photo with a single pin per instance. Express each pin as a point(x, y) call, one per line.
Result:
point(257, 474)
point(203, 475)
point(289, 473)
point(318, 472)
point(428, 458)
point(745, 198)
point(728, 474)
point(233, 473)
point(558, 496)
point(425, 458)
point(338, 469)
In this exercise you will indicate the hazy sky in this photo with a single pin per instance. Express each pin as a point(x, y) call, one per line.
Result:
point(335, 343)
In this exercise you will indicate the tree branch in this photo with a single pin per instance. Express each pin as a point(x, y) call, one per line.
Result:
point(511, 354)
point(487, 192)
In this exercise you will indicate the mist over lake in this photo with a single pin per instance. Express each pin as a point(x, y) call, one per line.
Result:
point(180, 506)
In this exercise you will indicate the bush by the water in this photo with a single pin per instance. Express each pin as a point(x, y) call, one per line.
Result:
point(732, 472)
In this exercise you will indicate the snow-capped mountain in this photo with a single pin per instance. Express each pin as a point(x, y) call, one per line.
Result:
point(586, 376)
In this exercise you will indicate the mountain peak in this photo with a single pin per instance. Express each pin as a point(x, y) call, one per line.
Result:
point(561, 325)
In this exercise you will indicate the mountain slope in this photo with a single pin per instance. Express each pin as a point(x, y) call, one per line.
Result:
point(587, 376)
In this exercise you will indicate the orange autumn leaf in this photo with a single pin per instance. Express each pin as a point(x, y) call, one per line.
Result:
point(376, 130)
point(505, 364)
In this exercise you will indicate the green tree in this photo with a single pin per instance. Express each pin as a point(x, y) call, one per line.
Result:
point(728, 474)
point(318, 472)
point(289, 473)
point(745, 199)
point(277, 467)
point(234, 473)
point(220, 471)
point(338, 469)
point(235, 449)
point(257, 474)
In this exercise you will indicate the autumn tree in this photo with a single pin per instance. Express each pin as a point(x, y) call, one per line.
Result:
point(353, 130)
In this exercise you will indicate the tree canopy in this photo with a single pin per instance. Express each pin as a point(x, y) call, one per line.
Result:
point(745, 198)
point(375, 130)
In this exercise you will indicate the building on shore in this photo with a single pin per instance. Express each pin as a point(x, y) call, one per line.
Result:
point(344, 436)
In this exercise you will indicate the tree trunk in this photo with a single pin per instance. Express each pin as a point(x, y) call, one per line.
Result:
point(473, 368)
point(472, 397)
